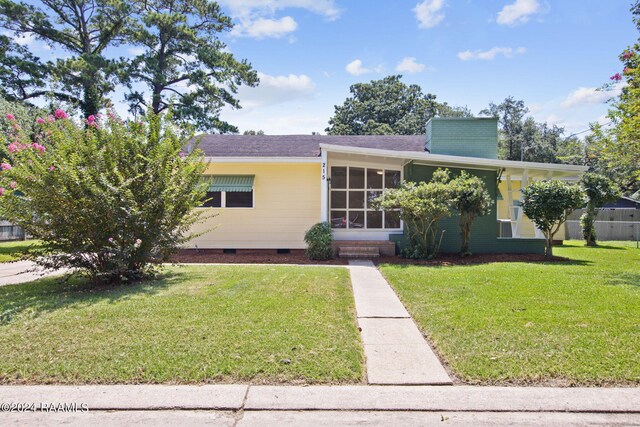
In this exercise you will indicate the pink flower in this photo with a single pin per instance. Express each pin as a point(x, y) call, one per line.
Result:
point(52, 168)
point(182, 154)
point(1, 191)
point(5, 166)
point(61, 114)
point(38, 147)
point(628, 54)
point(40, 121)
point(51, 118)
point(616, 77)
point(13, 184)
point(13, 147)
point(91, 119)
point(10, 117)
point(110, 239)
point(138, 243)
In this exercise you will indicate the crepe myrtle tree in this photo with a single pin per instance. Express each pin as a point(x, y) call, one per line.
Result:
point(599, 190)
point(109, 198)
point(470, 199)
point(422, 206)
point(548, 204)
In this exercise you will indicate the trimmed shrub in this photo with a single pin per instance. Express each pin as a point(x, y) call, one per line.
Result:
point(318, 239)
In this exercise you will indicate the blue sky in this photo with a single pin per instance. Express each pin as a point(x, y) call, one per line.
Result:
point(552, 54)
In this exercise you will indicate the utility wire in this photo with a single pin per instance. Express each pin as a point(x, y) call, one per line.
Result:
point(587, 130)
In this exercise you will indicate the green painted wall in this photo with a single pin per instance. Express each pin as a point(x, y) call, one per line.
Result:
point(484, 231)
point(470, 137)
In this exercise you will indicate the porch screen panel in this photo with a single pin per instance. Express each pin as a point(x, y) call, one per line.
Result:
point(352, 191)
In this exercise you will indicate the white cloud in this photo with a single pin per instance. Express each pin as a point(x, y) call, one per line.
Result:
point(135, 51)
point(276, 89)
point(428, 13)
point(590, 95)
point(21, 39)
point(488, 55)
point(263, 27)
point(326, 8)
point(518, 12)
point(355, 68)
point(410, 65)
point(257, 18)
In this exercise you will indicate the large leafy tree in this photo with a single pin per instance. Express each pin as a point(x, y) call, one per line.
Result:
point(522, 138)
point(548, 204)
point(84, 30)
point(388, 106)
point(108, 198)
point(619, 147)
point(183, 64)
point(22, 74)
point(510, 114)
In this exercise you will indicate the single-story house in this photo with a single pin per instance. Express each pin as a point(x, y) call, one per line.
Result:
point(269, 189)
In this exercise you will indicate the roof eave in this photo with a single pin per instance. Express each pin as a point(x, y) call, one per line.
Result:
point(457, 160)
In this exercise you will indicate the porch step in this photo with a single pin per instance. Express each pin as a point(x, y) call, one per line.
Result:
point(384, 247)
point(366, 252)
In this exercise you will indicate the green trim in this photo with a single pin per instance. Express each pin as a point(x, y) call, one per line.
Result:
point(231, 183)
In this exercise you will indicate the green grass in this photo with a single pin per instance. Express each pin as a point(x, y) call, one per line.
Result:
point(195, 324)
point(13, 250)
point(567, 323)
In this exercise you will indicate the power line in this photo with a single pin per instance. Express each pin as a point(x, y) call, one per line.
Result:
point(587, 130)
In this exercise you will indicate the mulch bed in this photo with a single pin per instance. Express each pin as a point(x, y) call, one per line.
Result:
point(250, 258)
point(455, 259)
point(258, 257)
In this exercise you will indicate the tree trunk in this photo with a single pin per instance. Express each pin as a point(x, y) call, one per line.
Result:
point(548, 254)
point(587, 221)
point(91, 100)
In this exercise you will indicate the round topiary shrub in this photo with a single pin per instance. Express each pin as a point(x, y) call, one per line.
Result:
point(318, 239)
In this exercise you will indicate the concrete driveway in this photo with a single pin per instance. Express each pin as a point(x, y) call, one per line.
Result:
point(12, 273)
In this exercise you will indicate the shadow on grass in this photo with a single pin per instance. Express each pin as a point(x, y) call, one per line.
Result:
point(51, 294)
point(13, 251)
point(599, 246)
point(632, 279)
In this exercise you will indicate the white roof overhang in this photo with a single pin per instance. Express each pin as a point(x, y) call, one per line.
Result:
point(514, 168)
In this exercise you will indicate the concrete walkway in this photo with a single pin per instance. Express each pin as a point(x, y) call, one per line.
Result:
point(396, 351)
point(232, 405)
point(12, 273)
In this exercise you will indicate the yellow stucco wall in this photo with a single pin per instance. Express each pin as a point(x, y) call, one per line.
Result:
point(286, 204)
point(528, 228)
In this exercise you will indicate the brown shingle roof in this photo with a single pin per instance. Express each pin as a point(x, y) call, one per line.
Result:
point(301, 145)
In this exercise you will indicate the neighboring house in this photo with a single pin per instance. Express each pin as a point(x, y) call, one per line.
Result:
point(268, 190)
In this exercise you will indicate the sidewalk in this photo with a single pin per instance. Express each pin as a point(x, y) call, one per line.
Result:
point(326, 405)
point(396, 351)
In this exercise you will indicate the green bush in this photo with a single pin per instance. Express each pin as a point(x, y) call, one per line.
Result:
point(422, 206)
point(318, 239)
point(108, 198)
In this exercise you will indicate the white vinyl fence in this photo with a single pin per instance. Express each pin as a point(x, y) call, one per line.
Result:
point(611, 224)
point(9, 231)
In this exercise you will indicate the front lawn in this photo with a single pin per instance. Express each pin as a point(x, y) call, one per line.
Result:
point(195, 324)
point(575, 322)
point(13, 250)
